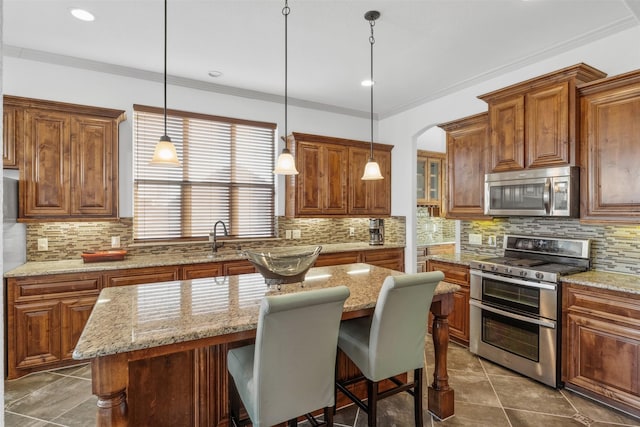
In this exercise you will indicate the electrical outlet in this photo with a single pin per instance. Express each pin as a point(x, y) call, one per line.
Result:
point(491, 240)
point(475, 239)
point(287, 234)
point(352, 231)
point(296, 234)
point(115, 241)
point(43, 244)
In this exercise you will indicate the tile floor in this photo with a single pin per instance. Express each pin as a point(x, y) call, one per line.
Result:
point(485, 395)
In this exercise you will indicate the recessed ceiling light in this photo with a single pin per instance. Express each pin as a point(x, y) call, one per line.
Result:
point(367, 83)
point(83, 15)
point(215, 73)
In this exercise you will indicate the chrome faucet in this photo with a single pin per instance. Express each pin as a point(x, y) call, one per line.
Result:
point(217, 245)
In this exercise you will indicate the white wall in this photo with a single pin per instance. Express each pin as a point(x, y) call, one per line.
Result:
point(614, 55)
point(60, 83)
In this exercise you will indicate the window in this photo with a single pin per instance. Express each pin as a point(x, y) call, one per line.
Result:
point(226, 174)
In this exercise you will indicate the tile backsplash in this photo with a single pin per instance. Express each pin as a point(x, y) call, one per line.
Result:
point(613, 247)
point(430, 229)
point(67, 240)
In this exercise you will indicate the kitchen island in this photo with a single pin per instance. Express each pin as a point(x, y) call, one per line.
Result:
point(158, 351)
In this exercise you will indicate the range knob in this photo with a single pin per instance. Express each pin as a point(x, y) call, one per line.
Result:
point(507, 270)
point(539, 275)
point(481, 266)
point(523, 273)
point(494, 267)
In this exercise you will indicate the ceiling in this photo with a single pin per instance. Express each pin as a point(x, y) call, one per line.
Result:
point(424, 49)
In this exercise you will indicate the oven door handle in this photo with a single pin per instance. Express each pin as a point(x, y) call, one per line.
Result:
point(543, 323)
point(514, 280)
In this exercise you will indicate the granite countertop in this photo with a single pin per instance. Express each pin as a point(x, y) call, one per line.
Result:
point(156, 314)
point(460, 258)
point(606, 280)
point(38, 268)
point(426, 244)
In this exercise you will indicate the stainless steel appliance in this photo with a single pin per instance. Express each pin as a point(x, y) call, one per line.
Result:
point(376, 231)
point(533, 192)
point(515, 303)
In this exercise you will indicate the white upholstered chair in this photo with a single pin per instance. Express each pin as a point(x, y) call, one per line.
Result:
point(289, 371)
point(391, 342)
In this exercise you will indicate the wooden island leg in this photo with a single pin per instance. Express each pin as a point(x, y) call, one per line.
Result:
point(109, 379)
point(440, 395)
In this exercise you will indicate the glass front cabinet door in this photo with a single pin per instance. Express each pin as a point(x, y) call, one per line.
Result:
point(429, 180)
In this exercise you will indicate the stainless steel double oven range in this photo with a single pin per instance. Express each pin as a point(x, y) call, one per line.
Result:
point(515, 303)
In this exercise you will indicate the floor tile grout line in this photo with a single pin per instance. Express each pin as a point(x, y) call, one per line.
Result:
point(495, 392)
point(34, 418)
point(564, 392)
point(71, 409)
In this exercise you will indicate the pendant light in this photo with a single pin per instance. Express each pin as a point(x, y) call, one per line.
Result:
point(372, 169)
point(286, 164)
point(165, 153)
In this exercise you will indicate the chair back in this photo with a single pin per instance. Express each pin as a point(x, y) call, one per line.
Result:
point(295, 353)
point(399, 324)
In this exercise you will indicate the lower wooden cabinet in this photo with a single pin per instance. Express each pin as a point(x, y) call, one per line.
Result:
point(46, 314)
point(459, 317)
point(45, 317)
point(423, 251)
point(601, 345)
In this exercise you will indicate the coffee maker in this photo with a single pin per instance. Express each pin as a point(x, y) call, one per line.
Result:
point(376, 231)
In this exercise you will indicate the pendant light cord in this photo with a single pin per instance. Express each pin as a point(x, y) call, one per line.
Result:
point(285, 11)
point(165, 67)
point(372, 41)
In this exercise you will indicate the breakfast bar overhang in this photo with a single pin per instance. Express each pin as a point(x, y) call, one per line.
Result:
point(158, 351)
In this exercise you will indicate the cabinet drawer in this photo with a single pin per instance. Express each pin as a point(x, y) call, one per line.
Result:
point(337, 259)
point(198, 271)
point(141, 276)
point(454, 273)
point(41, 287)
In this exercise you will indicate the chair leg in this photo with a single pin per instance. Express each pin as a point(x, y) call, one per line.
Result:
point(417, 396)
point(372, 404)
point(328, 416)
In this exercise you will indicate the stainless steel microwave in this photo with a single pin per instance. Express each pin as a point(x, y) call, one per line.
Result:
point(533, 192)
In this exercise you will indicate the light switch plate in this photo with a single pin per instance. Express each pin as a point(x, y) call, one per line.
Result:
point(287, 234)
point(43, 244)
point(475, 239)
point(296, 234)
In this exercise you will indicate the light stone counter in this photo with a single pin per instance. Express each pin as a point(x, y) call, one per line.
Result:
point(129, 318)
point(606, 280)
point(38, 268)
point(460, 258)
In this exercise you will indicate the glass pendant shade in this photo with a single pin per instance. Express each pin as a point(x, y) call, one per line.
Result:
point(371, 171)
point(286, 164)
point(165, 153)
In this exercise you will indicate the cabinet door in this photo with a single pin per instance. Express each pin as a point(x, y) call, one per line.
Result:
point(547, 125)
point(94, 172)
point(610, 180)
point(466, 165)
point(11, 136)
point(322, 182)
point(44, 188)
point(506, 127)
point(369, 197)
point(459, 317)
point(37, 339)
point(74, 315)
point(387, 258)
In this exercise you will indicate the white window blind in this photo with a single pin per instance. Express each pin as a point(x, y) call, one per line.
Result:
point(226, 174)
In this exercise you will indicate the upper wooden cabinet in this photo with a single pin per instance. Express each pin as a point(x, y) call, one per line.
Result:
point(69, 161)
point(329, 184)
point(11, 122)
point(466, 166)
point(533, 124)
point(610, 131)
point(430, 179)
point(369, 197)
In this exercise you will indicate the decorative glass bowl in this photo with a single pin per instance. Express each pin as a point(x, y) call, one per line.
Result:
point(283, 266)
